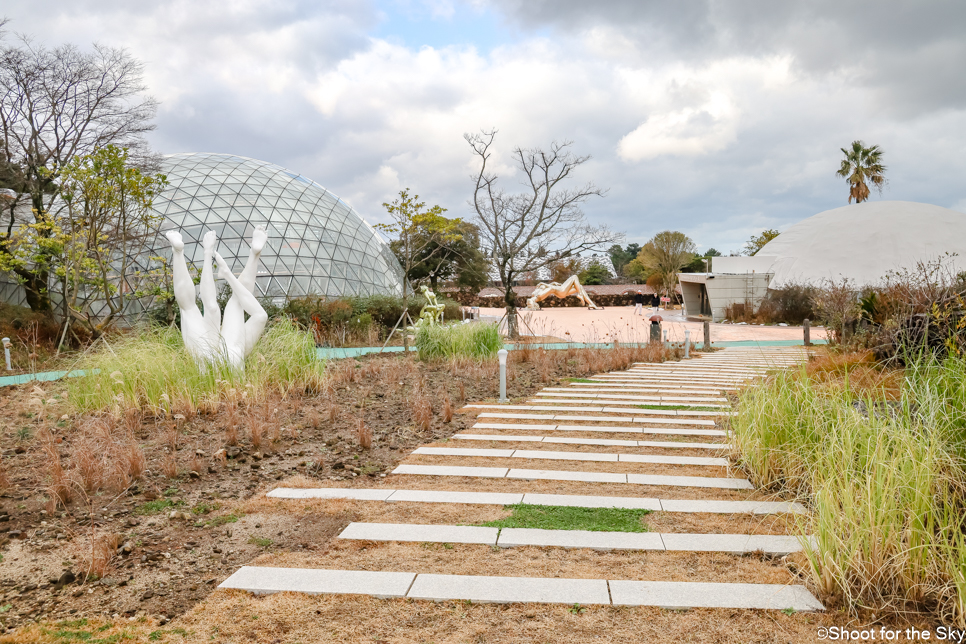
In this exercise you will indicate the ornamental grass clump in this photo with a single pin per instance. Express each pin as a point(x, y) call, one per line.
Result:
point(478, 340)
point(883, 476)
point(151, 371)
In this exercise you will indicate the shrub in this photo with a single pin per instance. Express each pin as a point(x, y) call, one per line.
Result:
point(365, 319)
point(478, 340)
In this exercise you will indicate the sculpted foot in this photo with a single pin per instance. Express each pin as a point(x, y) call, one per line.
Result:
point(175, 238)
point(223, 270)
point(209, 241)
point(259, 237)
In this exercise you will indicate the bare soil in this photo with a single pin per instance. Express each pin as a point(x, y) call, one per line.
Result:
point(119, 554)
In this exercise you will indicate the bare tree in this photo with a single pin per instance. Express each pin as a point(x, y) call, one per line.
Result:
point(55, 105)
point(539, 226)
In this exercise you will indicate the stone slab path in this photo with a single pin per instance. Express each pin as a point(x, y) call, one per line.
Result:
point(603, 404)
point(777, 545)
point(484, 589)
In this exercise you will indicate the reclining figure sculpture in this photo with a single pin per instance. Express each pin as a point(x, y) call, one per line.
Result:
point(210, 337)
point(570, 287)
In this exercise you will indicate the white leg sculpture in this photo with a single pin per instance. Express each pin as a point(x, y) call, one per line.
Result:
point(233, 321)
point(207, 337)
point(200, 331)
point(238, 345)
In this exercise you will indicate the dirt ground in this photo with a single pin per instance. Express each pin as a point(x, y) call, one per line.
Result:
point(157, 547)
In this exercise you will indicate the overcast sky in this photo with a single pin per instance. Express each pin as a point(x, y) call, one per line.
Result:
point(715, 118)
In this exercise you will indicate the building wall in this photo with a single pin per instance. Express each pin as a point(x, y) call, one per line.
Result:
point(722, 290)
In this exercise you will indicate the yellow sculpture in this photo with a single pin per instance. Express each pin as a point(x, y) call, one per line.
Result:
point(570, 287)
point(429, 315)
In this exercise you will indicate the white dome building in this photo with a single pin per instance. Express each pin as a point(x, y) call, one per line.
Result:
point(863, 242)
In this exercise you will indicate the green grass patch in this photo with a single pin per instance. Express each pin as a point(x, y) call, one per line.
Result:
point(683, 408)
point(593, 382)
point(205, 508)
point(477, 340)
point(553, 517)
point(156, 506)
point(222, 519)
point(261, 542)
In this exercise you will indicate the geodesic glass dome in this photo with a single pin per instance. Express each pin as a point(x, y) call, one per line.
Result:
point(317, 244)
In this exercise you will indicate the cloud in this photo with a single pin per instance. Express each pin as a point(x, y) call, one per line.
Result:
point(716, 118)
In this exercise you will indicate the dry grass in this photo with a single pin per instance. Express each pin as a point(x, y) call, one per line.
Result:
point(363, 434)
point(235, 617)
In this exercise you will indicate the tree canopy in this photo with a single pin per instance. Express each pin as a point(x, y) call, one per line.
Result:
point(757, 242)
point(57, 105)
point(662, 258)
point(860, 167)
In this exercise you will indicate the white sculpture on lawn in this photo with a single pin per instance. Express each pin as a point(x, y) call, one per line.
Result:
point(211, 337)
point(572, 286)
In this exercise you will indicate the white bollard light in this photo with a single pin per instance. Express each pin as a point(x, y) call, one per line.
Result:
point(687, 342)
point(6, 352)
point(502, 353)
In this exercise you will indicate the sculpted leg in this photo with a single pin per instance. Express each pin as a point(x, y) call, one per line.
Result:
point(240, 344)
point(209, 293)
point(233, 320)
point(184, 286)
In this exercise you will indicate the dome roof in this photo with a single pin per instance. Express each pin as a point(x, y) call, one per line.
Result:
point(864, 242)
point(317, 244)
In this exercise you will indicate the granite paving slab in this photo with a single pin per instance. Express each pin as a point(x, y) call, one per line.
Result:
point(565, 456)
point(567, 475)
point(500, 437)
point(511, 537)
point(689, 481)
point(734, 543)
point(505, 590)
point(584, 501)
point(673, 445)
point(420, 533)
point(685, 594)
point(673, 460)
point(444, 496)
point(330, 493)
point(463, 451)
point(265, 580)
point(731, 507)
point(452, 470)
point(513, 426)
point(590, 441)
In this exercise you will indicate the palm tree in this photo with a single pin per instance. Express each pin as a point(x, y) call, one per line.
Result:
point(861, 165)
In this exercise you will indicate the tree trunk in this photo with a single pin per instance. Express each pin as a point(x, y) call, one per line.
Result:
point(35, 287)
point(509, 298)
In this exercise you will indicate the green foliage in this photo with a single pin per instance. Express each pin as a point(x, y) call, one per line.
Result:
point(88, 244)
point(553, 517)
point(661, 259)
point(150, 368)
point(261, 542)
point(595, 273)
point(860, 167)
point(757, 242)
point(155, 507)
point(357, 314)
point(621, 257)
point(477, 340)
point(421, 234)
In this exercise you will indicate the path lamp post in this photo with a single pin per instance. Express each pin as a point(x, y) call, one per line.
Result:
point(6, 352)
point(502, 353)
point(687, 342)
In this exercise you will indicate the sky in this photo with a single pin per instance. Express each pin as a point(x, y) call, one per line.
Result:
point(716, 118)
